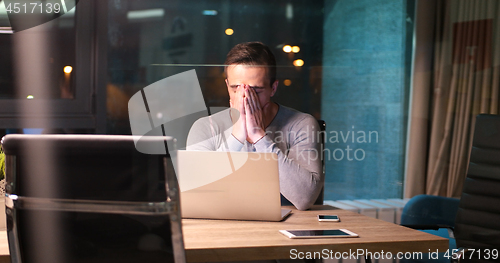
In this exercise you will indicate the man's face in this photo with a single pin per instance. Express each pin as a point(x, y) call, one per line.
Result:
point(254, 76)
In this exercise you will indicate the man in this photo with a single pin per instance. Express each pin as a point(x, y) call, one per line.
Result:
point(255, 123)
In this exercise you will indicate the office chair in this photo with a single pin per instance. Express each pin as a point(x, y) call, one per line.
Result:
point(90, 198)
point(434, 215)
point(477, 222)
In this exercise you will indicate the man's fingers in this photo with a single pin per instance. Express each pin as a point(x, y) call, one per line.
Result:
point(250, 98)
point(255, 102)
point(255, 99)
point(242, 107)
point(248, 101)
point(253, 105)
point(246, 92)
point(248, 108)
point(241, 99)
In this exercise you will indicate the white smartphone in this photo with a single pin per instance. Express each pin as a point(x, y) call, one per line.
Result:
point(328, 233)
point(329, 218)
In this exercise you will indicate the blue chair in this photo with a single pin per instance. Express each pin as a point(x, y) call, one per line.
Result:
point(434, 215)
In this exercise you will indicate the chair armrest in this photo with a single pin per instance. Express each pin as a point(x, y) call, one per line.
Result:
point(433, 227)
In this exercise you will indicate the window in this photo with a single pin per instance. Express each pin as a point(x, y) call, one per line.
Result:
point(46, 76)
point(346, 62)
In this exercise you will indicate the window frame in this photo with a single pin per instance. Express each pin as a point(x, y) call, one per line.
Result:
point(65, 113)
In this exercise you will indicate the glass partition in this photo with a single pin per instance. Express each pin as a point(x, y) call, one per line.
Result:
point(346, 62)
point(46, 73)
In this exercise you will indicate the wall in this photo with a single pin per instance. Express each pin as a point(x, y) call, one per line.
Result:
point(364, 97)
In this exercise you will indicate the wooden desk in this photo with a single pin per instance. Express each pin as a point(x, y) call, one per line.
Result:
point(4, 247)
point(225, 240)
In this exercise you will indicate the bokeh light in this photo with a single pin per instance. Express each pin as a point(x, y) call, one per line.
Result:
point(298, 62)
point(68, 69)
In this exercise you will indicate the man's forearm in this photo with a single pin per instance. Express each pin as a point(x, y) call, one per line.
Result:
point(301, 178)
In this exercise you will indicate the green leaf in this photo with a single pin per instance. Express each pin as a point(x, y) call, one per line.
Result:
point(2, 164)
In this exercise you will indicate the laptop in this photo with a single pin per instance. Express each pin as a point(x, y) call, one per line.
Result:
point(229, 185)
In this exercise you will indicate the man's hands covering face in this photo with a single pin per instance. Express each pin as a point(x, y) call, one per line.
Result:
point(254, 116)
point(250, 124)
point(238, 114)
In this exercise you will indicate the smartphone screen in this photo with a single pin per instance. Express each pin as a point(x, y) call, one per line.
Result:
point(328, 217)
point(316, 233)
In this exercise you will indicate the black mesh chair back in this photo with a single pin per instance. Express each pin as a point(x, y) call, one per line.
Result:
point(90, 198)
point(477, 224)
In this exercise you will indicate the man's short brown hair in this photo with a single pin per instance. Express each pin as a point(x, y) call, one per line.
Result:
point(252, 53)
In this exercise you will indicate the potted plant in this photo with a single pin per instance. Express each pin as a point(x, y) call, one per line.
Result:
point(2, 164)
point(2, 190)
point(2, 172)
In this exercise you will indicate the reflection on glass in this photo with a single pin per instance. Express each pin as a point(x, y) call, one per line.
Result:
point(194, 35)
point(287, 48)
point(353, 78)
point(59, 46)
